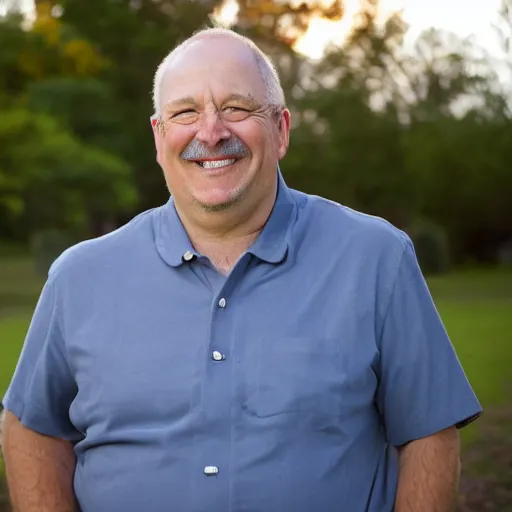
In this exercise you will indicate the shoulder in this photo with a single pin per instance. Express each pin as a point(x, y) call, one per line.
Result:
point(334, 225)
point(364, 252)
point(105, 251)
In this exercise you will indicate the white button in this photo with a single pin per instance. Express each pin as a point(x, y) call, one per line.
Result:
point(217, 356)
point(222, 303)
point(211, 470)
point(188, 256)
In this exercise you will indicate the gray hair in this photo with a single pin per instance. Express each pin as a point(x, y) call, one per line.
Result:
point(273, 90)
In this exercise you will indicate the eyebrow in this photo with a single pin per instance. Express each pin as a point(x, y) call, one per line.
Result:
point(180, 102)
point(245, 99)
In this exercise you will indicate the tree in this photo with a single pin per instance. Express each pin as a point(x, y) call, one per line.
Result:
point(406, 135)
point(134, 37)
point(86, 107)
point(48, 178)
point(285, 21)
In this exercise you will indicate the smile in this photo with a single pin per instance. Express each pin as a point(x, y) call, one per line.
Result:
point(216, 164)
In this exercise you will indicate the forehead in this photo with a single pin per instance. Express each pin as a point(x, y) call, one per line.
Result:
point(212, 67)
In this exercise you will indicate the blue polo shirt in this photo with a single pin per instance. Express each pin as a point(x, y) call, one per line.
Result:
point(285, 386)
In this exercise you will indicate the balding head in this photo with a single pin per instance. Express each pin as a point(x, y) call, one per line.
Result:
point(221, 125)
point(274, 94)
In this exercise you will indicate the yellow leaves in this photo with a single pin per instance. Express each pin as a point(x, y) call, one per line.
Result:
point(288, 20)
point(55, 52)
point(81, 59)
point(325, 9)
point(46, 24)
point(266, 7)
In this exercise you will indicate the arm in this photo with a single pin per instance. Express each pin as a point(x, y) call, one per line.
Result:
point(423, 393)
point(39, 469)
point(428, 480)
point(37, 430)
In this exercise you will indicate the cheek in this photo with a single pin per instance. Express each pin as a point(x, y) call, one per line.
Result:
point(173, 141)
point(259, 135)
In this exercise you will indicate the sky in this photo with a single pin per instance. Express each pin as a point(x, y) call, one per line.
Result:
point(463, 17)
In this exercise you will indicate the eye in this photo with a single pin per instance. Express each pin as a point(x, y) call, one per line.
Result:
point(233, 114)
point(229, 110)
point(185, 116)
point(183, 113)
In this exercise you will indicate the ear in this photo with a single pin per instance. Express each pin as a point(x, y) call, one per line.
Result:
point(155, 125)
point(284, 133)
point(154, 122)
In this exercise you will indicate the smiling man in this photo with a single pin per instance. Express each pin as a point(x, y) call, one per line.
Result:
point(245, 347)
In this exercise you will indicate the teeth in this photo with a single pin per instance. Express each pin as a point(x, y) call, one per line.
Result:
point(215, 164)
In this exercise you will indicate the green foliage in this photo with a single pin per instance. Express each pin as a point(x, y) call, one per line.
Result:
point(47, 245)
point(134, 37)
point(53, 179)
point(461, 167)
point(84, 106)
point(59, 162)
point(374, 127)
point(13, 41)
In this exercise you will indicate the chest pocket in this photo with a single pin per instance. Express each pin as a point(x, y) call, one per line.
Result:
point(295, 375)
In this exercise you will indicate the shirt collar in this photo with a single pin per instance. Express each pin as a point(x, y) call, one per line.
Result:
point(175, 248)
point(273, 241)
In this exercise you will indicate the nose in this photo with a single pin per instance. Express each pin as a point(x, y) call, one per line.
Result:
point(212, 129)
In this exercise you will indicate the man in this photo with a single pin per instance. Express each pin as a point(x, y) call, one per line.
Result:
point(246, 347)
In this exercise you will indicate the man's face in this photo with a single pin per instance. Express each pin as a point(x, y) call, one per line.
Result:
point(218, 141)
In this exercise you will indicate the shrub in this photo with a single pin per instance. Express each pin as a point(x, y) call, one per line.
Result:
point(47, 246)
point(431, 246)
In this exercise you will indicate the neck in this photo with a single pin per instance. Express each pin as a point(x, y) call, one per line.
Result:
point(224, 236)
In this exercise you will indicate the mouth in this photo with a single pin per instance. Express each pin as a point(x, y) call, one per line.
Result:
point(215, 164)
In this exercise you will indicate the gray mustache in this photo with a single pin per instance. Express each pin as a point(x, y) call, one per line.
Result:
point(232, 147)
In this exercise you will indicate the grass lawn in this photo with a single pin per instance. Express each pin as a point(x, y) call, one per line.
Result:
point(476, 307)
point(12, 332)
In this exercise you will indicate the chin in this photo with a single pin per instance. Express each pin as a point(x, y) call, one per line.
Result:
point(221, 201)
point(215, 207)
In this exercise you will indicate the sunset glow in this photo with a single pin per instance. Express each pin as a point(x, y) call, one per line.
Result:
point(461, 17)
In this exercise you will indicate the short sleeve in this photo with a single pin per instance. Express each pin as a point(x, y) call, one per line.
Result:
point(42, 388)
point(422, 386)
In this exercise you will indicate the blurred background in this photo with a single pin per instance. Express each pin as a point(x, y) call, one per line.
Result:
point(400, 108)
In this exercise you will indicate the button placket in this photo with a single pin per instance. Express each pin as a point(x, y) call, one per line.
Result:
point(218, 391)
point(216, 355)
